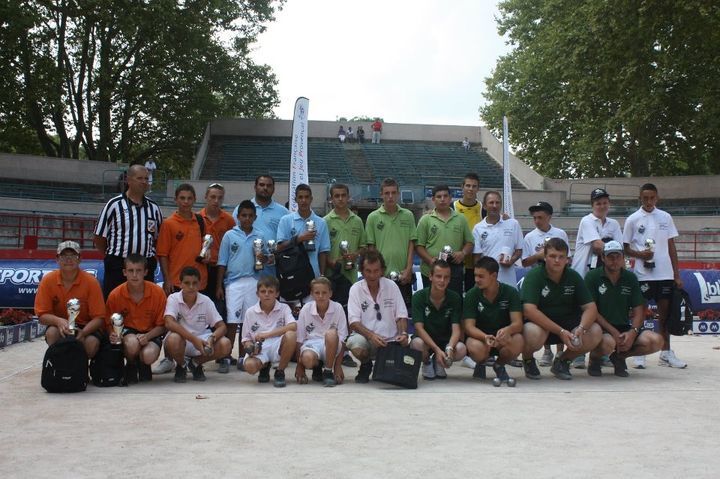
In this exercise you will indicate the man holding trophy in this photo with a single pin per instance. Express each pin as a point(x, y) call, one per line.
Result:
point(649, 237)
point(69, 301)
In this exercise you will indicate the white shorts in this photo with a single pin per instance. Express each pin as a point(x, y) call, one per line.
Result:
point(270, 350)
point(240, 295)
point(317, 345)
point(358, 341)
point(190, 349)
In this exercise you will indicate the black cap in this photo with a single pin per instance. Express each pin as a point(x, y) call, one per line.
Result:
point(598, 193)
point(542, 206)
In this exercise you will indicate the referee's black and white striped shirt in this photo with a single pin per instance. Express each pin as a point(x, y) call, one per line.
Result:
point(129, 227)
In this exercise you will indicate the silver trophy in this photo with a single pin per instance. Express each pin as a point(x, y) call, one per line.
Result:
point(118, 322)
point(257, 249)
point(445, 253)
point(345, 250)
point(649, 246)
point(73, 310)
point(394, 276)
point(310, 244)
point(272, 247)
point(207, 243)
point(449, 354)
point(208, 346)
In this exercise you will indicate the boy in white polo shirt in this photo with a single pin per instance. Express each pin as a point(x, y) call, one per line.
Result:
point(268, 333)
point(188, 317)
point(321, 330)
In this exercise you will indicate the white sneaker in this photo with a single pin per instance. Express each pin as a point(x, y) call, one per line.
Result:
point(468, 362)
point(579, 362)
point(440, 372)
point(668, 358)
point(547, 358)
point(428, 371)
point(164, 366)
point(639, 362)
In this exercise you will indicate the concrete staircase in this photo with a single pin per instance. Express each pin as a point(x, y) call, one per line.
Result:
point(358, 163)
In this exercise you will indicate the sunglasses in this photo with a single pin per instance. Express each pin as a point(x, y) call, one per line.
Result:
point(216, 185)
point(378, 315)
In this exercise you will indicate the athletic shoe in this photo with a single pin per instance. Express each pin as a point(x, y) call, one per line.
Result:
point(363, 375)
point(619, 365)
point(279, 380)
point(668, 358)
point(578, 362)
point(606, 362)
point(516, 363)
point(547, 358)
point(490, 361)
point(224, 366)
point(348, 361)
point(144, 372)
point(639, 362)
point(264, 374)
point(561, 369)
point(440, 372)
point(595, 367)
point(131, 373)
point(468, 362)
point(196, 370)
point(317, 372)
point(164, 366)
point(428, 371)
point(500, 372)
point(180, 374)
point(531, 369)
point(233, 361)
point(328, 378)
point(479, 372)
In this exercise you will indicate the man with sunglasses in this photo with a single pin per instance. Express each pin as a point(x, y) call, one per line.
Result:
point(376, 313)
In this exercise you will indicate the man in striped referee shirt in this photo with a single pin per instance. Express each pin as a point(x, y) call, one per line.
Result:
point(129, 223)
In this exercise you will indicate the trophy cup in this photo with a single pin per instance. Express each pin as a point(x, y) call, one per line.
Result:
point(445, 253)
point(117, 323)
point(649, 246)
point(257, 249)
point(345, 250)
point(207, 242)
point(394, 276)
point(576, 338)
point(449, 353)
point(272, 247)
point(310, 244)
point(73, 310)
point(505, 254)
point(208, 346)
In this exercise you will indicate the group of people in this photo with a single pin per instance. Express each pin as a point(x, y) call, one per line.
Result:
point(350, 136)
point(220, 283)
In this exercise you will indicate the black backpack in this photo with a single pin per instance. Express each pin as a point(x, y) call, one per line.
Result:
point(294, 272)
point(397, 365)
point(107, 367)
point(65, 367)
point(679, 323)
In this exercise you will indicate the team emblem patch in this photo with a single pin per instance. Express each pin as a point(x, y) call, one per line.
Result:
point(364, 306)
point(484, 235)
point(602, 289)
point(427, 310)
point(641, 230)
point(255, 327)
point(545, 291)
point(179, 236)
point(380, 226)
point(333, 233)
point(280, 323)
point(644, 287)
point(481, 307)
point(151, 226)
point(310, 328)
point(434, 229)
point(234, 247)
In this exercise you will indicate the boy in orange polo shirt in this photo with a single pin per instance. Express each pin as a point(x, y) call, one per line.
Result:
point(142, 306)
point(68, 282)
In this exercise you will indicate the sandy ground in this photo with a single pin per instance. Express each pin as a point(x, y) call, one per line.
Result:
point(659, 422)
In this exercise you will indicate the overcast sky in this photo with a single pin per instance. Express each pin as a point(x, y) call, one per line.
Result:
point(421, 61)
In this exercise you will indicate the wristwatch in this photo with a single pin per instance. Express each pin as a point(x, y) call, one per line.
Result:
point(637, 330)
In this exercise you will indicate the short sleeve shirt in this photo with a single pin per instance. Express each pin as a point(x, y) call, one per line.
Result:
point(293, 224)
point(180, 241)
point(489, 315)
point(197, 319)
point(258, 321)
point(351, 230)
point(361, 307)
point(217, 229)
point(592, 228)
point(614, 301)
point(52, 297)
point(142, 316)
point(391, 235)
point(473, 214)
point(237, 255)
point(558, 301)
point(437, 321)
point(311, 326)
point(659, 226)
point(433, 233)
point(534, 241)
point(490, 239)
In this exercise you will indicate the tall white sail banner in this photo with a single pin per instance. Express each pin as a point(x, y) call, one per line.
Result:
point(507, 184)
point(298, 152)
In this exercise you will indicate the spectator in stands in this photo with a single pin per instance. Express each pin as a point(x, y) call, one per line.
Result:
point(361, 134)
point(466, 144)
point(151, 167)
point(440, 228)
point(656, 262)
point(341, 134)
point(499, 238)
point(68, 282)
point(142, 306)
point(350, 135)
point(390, 229)
point(472, 210)
point(376, 130)
point(129, 223)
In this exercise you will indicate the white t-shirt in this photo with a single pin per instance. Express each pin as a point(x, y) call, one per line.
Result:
point(535, 240)
point(257, 321)
point(490, 239)
point(197, 319)
point(591, 228)
point(361, 307)
point(658, 225)
point(311, 326)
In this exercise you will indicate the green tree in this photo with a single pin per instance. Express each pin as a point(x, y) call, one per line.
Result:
point(127, 81)
point(608, 88)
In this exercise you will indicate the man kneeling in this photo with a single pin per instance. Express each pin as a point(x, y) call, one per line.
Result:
point(559, 309)
point(322, 328)
point(268, 333)
point(616, 291)
point(188, 317)
point(492, 317)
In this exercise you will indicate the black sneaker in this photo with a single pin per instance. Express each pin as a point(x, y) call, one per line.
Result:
point(531, 369)
point(594, 367)
point(264, 375)
point(500, 372)
point(197, 371)
point(619, 365)
point(479, 371)
point(131, 373)
point(224, 366)
point(279, 381)
point(328, 378)
point(561, 369)
point(317, 373)
point(348, 361)
point(144, 372)
point(180, 374)
point(363, 375)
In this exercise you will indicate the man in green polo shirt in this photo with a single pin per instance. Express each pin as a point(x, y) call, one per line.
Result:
point(617, 291)
point(559, 309)
point(440, 228)
point(492, 319)
point(436, 316)
point(390, 229)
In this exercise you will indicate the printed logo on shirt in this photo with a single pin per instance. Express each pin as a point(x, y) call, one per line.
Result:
point(151, 226)
point(234, 247)
point(280, 323)
point(663, 226)
point(602, 289)
point(293, 232)
point(625, 290)
point(644, 287)
point(641, 229)
point(254, 327)
point(179, 236)
point(505, 304)
point(310, 328)
point(427, 310)
point(380, 225)
point(545, 291)
point(333, 233)
point(448, 313)
point(569, 290)
point(364, 306)
point(484, 235)
point(434, 229)
point(481, 307)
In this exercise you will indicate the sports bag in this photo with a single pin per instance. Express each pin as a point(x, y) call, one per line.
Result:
point(680, 321)
point(107, 367)
point(65, 367)
point(294, 272)
point(397, 365)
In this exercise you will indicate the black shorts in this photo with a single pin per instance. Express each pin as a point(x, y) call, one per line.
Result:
point(657, 290)
point(568, 325)
point(157, 339)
